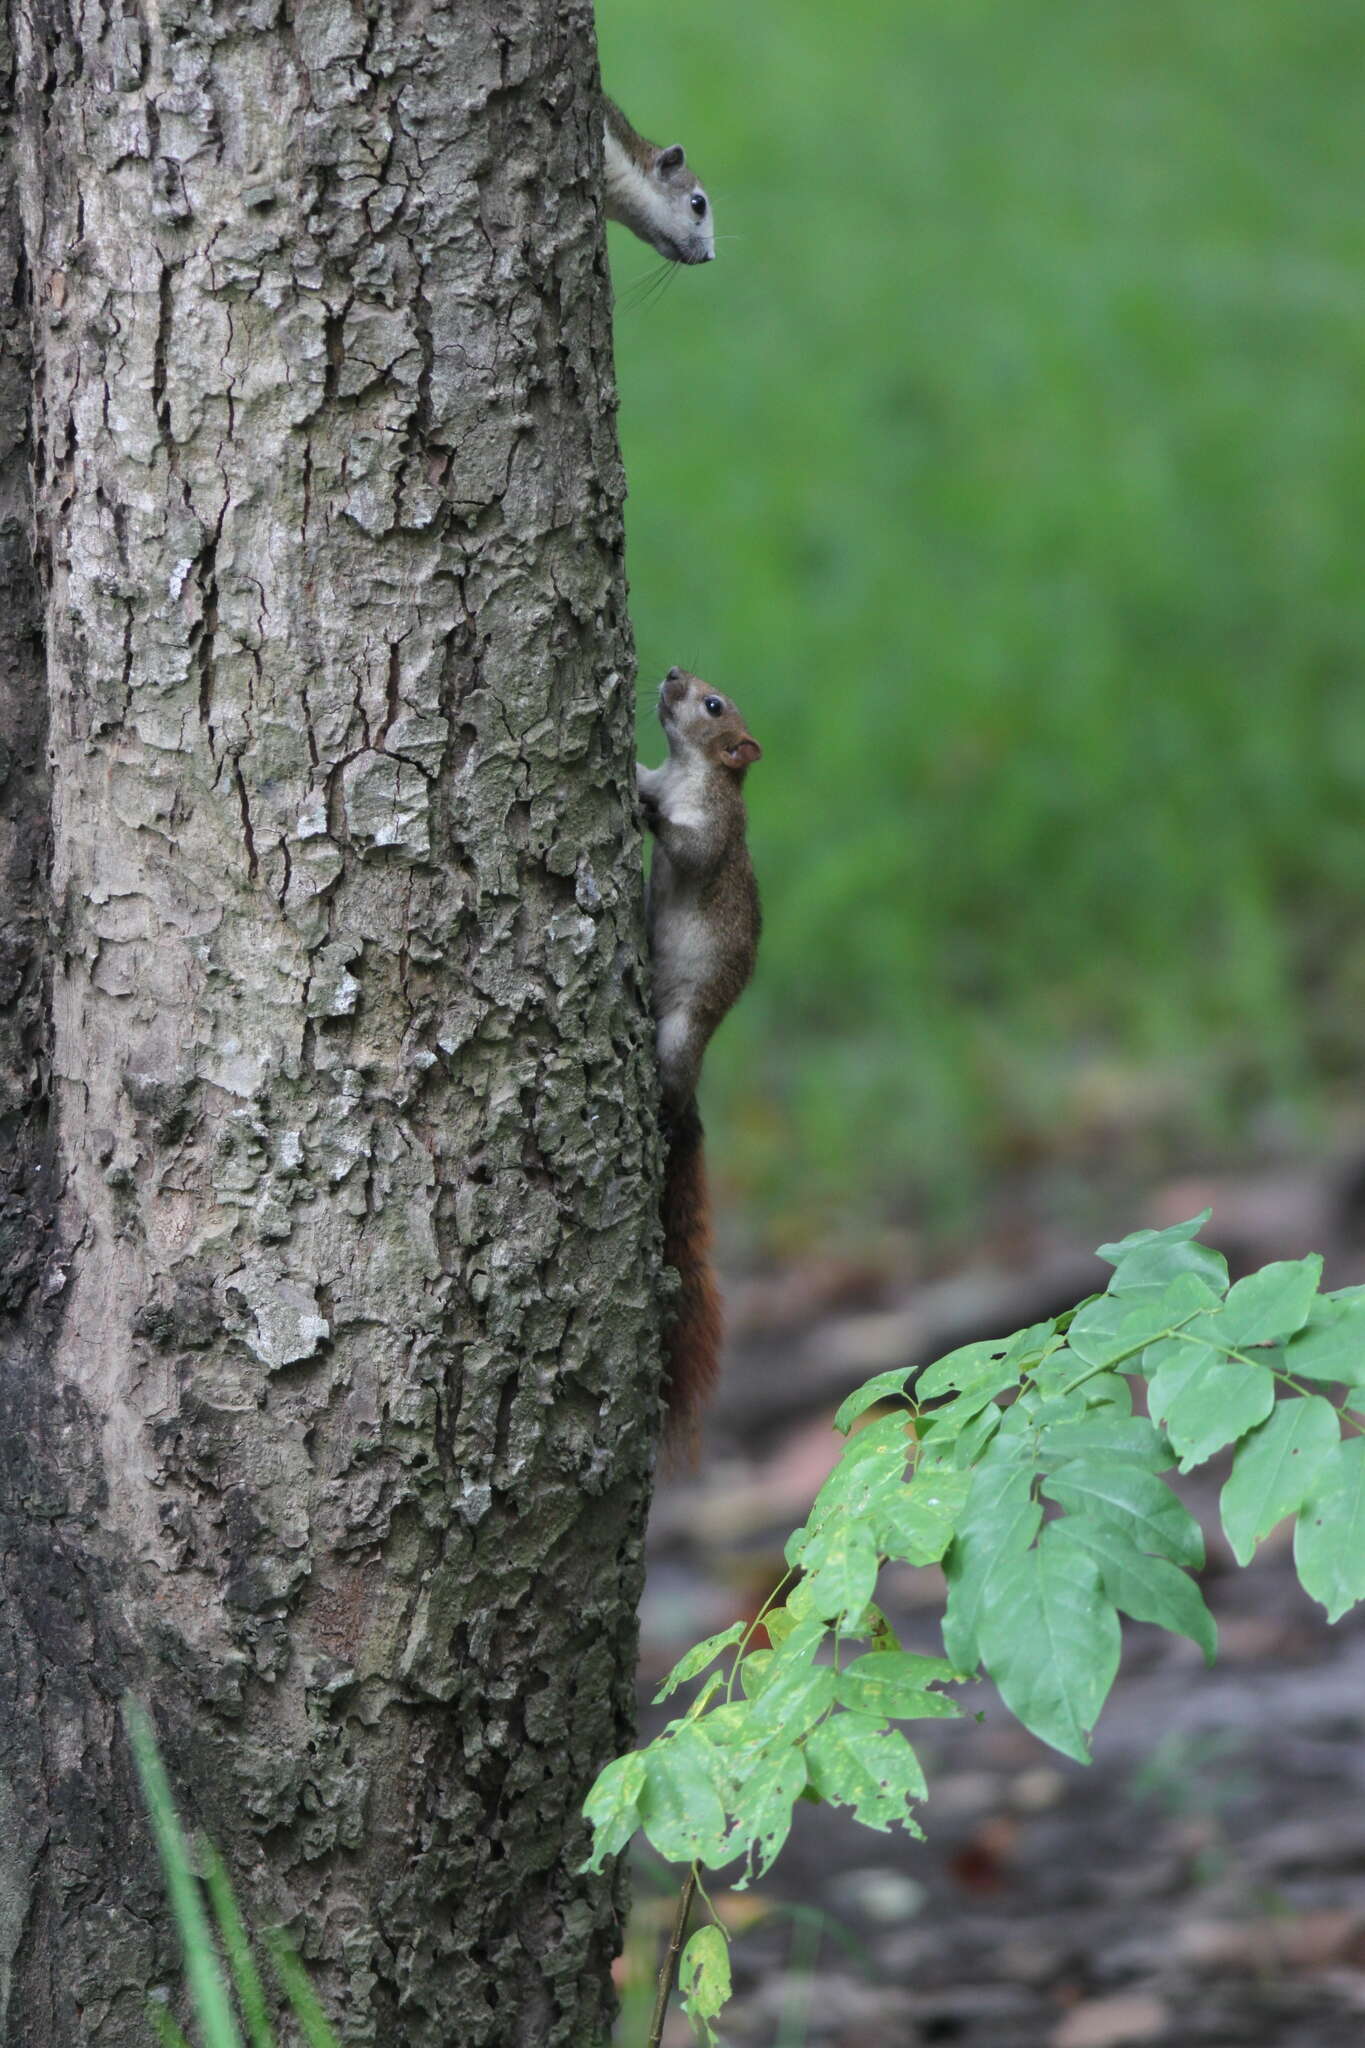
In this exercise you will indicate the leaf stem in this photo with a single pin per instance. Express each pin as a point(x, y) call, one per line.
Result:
point(743, 1643)
point(1111, 1364)
point(668, 1969)
point(1344, 1410)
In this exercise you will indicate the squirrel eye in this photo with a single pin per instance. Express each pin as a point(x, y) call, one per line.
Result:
point(715, 705)
point(699, 204)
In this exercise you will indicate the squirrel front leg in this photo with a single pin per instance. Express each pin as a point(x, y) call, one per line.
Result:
point(648, 783)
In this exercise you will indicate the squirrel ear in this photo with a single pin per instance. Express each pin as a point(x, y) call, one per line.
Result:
point(671, 158)
point(744, 752)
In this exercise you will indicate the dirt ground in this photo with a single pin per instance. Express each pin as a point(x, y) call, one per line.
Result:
point(1202, 1882)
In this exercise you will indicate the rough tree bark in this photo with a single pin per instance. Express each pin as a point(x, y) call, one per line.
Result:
point(328, 1274)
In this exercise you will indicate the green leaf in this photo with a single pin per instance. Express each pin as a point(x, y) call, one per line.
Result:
point(779, 1622)
point(1130, 1500)
point(1332, 1347)
point(854, 1761)
point(868, 1688)
point(1140, 1240)
point(1148, 1588)
point(1266, 1307)
point(956, 1443)
point(1204, 1401)
point(793, 1700)
point(1152, 1267)
point(1329, 1540)
point(872, 1466)
point(873, 1463)
point(905, 1666)
point(705, 1694)
point(613, 1807)
point(704, 1978)
point(1050, 1640)
point(885, 1387)
point(1000, 1520)
point(754, 1672)
point(883, 1636)
point(736, 1744)
point(1105, 1434)
point(761, 1815)
point(841, 1565)
point(918, 1521)
point(1275, 1470)
point(1028, 1346)
point(680, 1809)
point(967, 1370)
point(1118, 1325)
point(697, 1659)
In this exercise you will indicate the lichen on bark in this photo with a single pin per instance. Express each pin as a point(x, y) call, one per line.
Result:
point(355, 1260)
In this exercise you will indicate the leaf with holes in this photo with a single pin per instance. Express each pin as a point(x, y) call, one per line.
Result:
point(971, 1369)
point(841, 1565)
point(1329, 1539)
point(680, 1808)
point(704, 1979)
point(697, 1659)
point(1275, 1470)
point(855, 1761)
point(761, 1816)
point(887, 1386)
point(613, 1807)
point(893, 1684)
point(917, 1522)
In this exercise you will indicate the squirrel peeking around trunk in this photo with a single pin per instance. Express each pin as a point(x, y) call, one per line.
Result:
point(703, 917)
point(654, 193)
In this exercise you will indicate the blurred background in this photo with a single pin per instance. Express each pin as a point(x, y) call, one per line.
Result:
point(1009, 469)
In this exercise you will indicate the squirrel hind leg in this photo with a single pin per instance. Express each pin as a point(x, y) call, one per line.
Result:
point(679, 1063)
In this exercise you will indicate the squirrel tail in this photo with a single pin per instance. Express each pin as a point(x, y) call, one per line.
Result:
point(692, 1339)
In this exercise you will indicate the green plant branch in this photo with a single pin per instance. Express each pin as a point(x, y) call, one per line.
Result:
point(668, 1969)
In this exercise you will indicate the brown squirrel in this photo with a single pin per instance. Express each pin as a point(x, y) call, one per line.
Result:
point(704, 920)
point(654, 192)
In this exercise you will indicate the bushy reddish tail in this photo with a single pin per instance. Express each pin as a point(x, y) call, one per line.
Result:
point(692, 1339)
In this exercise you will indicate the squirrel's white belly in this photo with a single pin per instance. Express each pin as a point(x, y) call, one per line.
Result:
point(685, 952)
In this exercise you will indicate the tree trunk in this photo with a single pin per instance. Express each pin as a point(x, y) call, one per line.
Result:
point(330, 1358)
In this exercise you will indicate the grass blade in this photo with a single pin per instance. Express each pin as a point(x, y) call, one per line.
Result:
point(300, 1993)
point(165, 2028)
point(236, 1942)
point(203, 1970)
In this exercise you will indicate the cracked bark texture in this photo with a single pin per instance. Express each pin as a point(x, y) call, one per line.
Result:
point(329, 1262)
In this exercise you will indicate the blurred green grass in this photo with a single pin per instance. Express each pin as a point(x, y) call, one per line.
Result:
point(1009, 468)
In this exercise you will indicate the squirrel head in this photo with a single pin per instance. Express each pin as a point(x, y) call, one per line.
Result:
point(698, 721)
point(680, 223)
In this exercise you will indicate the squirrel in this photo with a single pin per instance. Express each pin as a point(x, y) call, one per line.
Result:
point(652, 192)
point(703, 917)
